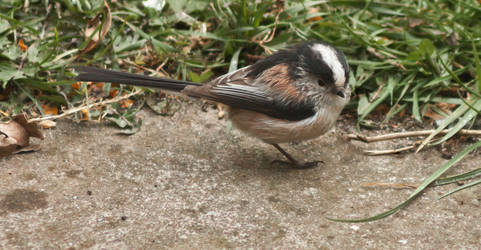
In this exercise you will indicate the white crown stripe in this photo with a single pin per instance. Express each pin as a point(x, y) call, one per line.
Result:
point(330, 57)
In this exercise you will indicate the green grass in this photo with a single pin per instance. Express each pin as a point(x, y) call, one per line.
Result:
point(414, 55)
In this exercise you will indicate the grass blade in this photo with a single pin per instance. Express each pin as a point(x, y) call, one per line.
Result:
point(478, 67)
point(468, 116)
point(31, 97)
point(455, 115)
point(418, 190)
point(474, 183)
point(235, 60)
point(460, 177)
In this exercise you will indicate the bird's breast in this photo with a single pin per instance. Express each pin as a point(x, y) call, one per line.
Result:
point(273, 130)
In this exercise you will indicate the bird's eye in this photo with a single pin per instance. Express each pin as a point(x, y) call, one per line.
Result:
point(340, 94)
point(321, 82)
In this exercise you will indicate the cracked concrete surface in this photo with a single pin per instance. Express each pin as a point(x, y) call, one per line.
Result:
point(188, 181)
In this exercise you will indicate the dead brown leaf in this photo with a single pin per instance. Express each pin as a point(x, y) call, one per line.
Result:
point(445, 107)
point(96, 89)
point(316, 18)
point(47, 124)
point(413, 22)
point(430, 113)
point(92, 29)
point(15, 136)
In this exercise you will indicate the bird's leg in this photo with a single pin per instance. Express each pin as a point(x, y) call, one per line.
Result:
point(293, 162)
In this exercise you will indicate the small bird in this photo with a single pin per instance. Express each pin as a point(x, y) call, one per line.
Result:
point(293, 95)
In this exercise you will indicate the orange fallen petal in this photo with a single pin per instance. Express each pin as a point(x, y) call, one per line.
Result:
point(99, 85)
point(77, 85)
point(113, 92)
point(85, 114)
point(50, 109)
point(126, 103)
point(22, 45)
point(96, 87)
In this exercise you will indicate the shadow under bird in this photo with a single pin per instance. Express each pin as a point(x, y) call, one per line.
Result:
point(293, 95)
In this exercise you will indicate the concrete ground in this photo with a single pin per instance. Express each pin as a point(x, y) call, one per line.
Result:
point(188, 181)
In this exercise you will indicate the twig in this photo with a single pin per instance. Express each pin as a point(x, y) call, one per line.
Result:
point(4, 113)
point(142, 67)
point(392, 136)
point(268, 36)
point(391, 185)
point(376, 93)
point(59, 90)
point(389, 151)
point(161, 67)
point(75, 110)
point(132, 27)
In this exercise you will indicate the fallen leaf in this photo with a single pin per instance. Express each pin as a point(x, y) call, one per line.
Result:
point(85, 114)
point(222, 108)
point(31, 127)
point(446, 107)
point(163, 104)
point(99, 85)
point(316, 18)
point(22, 45)
point(47, 124)
point(413, 22)
point(113, 92)
point(49, 109)
point(96, 89)
point(77, 85)
point(430, 113)
point(381, 109)
point(92, 30)
point(15, 136)
point(126, 103)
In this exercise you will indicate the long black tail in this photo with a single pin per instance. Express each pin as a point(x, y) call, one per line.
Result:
point(103, 75)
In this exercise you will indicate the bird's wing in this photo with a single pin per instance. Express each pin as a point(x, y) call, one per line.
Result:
point(237, 90)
